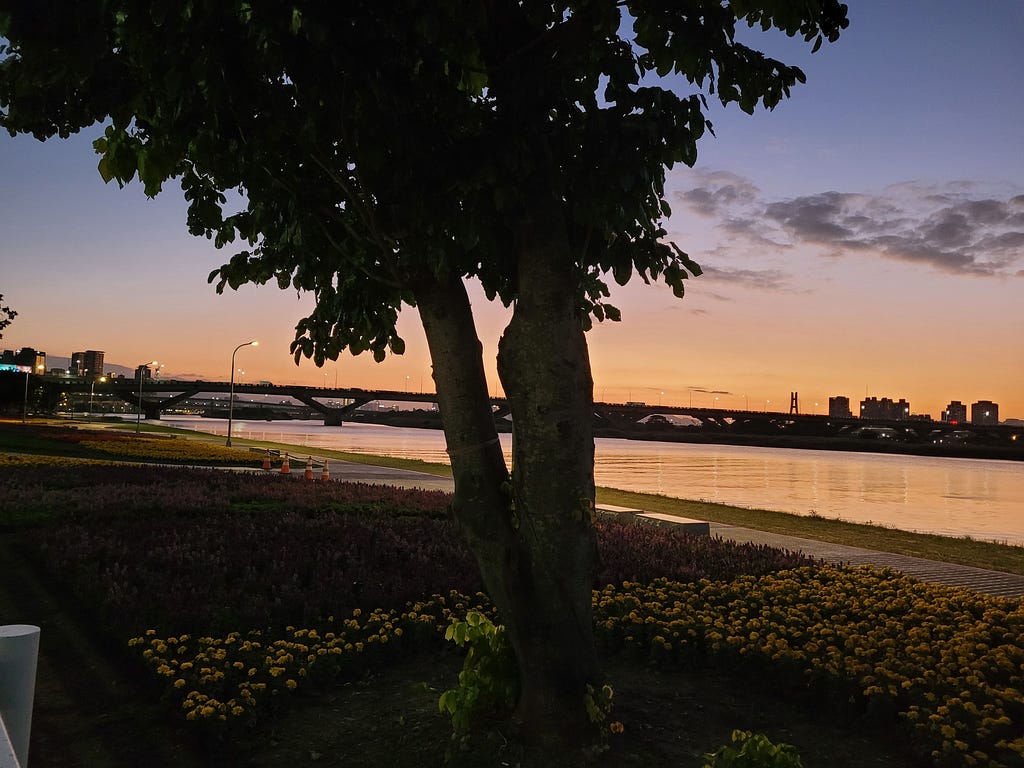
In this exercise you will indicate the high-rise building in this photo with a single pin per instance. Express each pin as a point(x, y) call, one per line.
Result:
point(984, 412)
point(955, 413)
point(839, 407)
point(884, 408)
point(93, 363)
point(88, 363)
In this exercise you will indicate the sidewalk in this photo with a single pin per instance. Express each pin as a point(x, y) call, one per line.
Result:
point(988, 582)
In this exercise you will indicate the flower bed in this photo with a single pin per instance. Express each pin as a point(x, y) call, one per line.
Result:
point(948, 662)
point(274, 559)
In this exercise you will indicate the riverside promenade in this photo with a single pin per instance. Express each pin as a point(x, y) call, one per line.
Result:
point(987, 582)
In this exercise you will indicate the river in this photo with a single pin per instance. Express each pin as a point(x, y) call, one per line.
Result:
point(954, 497)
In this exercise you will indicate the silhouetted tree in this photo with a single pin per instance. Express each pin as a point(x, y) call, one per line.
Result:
point(7, 316)
point(386, 153)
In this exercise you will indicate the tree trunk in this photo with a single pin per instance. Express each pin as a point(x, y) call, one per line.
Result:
point(545, 370)
point(533, 539)
point(482, 504)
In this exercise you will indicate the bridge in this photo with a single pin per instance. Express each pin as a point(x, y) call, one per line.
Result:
point(625, 419)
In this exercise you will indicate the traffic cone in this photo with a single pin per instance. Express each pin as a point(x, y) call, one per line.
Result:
point(266, 460)
point(285, 467)
point(309, 467)
point(326, 474)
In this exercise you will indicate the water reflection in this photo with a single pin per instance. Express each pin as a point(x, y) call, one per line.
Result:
point(958, 497)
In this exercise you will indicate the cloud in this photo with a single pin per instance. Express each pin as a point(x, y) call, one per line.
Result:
point(959, 228)
point(754, 278)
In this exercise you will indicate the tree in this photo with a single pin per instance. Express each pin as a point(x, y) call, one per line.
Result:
point(387, 153)
point(7, 316)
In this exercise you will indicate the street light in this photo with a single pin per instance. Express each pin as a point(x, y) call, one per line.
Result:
point(139, 370)
point(231, 389)
point(92, 391)
point(24, 411)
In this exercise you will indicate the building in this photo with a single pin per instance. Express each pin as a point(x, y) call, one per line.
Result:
point(88, 363)
point(955, 413)
point(884, 408)
point(839, 407)
point(24, 359)
point(143, 372)
point(984, 412)
point(93, 363)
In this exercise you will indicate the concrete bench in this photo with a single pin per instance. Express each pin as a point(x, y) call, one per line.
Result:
point(686, 524)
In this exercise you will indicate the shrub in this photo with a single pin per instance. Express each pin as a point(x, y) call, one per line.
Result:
point(754, 750)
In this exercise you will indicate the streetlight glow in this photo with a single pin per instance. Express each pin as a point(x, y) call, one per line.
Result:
point(231, 388)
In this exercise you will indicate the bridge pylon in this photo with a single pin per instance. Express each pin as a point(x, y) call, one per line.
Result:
point(794, 402)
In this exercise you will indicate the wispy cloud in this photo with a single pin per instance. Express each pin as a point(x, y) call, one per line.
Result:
point(959, 227)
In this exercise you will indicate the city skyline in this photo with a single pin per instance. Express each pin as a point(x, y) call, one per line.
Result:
point(864, 239)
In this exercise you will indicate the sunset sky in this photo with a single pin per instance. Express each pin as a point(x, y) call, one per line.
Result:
point(865, 238)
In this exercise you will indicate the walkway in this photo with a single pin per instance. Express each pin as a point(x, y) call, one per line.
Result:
point(981, 580)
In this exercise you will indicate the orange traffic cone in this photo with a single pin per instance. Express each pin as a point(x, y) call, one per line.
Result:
point(285, 467)
point(266, 460)
point(326, 474)
point(309, 467)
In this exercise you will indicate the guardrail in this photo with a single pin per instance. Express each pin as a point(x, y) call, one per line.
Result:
point(19, 652)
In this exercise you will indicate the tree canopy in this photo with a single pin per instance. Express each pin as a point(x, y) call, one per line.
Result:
point(375, 141)
point(380, 154)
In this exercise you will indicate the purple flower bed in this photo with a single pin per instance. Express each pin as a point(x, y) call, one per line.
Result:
point(206, 551)
point(226, 571)
point(643, 552)
point(46, 492)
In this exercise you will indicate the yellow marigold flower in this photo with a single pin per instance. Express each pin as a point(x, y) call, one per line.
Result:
point(237, 710)
point(179, 683)
point(291, 684)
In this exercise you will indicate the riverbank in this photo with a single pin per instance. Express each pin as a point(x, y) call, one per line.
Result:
point(962, 551)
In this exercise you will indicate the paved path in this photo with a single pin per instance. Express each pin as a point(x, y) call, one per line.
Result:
point(979, 579)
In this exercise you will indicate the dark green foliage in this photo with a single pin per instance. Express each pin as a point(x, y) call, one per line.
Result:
point(754, 750)
point(380, 144)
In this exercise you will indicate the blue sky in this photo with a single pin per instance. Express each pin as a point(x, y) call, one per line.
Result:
point(865, 237)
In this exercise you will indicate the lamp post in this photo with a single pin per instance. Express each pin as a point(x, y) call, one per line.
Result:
point(24, 410)
point(92, 391)
point(231, 389)
point(139, 370)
